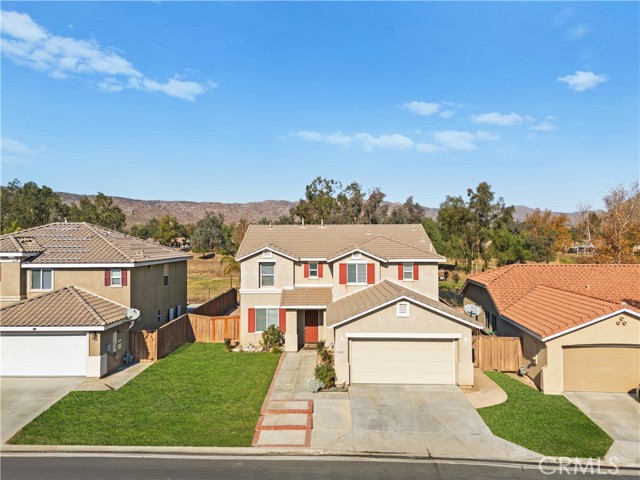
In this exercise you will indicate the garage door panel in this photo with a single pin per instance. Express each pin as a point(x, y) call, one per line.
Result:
point(601, 369)
point(43, 355)
point(398, 362)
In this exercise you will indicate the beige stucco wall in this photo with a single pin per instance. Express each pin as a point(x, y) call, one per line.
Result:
point(13, 283)
point(148, 293)
point(605, 332)
point(427, 282)
point(250, 272)
point(420, 320)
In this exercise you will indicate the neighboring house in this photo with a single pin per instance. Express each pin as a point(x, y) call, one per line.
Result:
point(579, 324)
point(51, 276)
point(370, 291)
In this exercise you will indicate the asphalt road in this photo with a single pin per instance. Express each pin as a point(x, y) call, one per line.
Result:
point(195, 468)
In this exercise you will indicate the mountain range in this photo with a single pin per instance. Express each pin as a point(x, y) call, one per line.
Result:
point(141, 211)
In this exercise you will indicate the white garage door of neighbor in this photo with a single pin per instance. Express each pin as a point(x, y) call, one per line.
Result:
point(403, 361)
point(43, 355)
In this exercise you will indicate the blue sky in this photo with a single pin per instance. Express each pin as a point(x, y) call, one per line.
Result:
point(240, 102)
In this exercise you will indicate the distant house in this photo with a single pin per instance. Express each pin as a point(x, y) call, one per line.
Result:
point(370, 291)
point(64, 289)
point(579, 324)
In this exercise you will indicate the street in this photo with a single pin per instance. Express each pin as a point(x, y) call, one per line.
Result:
point(184, 467)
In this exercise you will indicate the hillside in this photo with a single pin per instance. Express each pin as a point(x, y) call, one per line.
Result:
point(141, 211)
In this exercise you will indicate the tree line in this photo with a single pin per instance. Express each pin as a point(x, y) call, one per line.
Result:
point(476, 226)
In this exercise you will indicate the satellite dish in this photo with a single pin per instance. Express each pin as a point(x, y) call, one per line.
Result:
point(472, 309)
point(133, 314)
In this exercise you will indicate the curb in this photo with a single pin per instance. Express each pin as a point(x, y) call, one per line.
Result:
point(53, 450)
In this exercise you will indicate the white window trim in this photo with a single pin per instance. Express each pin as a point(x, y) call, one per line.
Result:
point(53, 283)
point(405, 265)
point(366, 268)
point(314, 277)
point(269, 307)
point(399, 314)
point(261, 275)
point(111, 284)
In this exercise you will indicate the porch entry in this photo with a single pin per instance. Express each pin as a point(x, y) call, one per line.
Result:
point(311, 326)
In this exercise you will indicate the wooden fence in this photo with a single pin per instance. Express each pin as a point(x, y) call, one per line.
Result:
point(152, 345)
point(497, 353)
point(220, 305)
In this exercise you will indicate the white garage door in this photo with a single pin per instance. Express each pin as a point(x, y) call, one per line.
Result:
point(403, 361)
point(43, 355)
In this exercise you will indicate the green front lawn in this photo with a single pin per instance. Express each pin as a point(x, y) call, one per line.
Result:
point(200, 395)
point(547, 424)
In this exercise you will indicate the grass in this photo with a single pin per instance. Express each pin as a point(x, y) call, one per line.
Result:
point(202, 289)
point(449, 291)
point(200, 395)
point(547, 424)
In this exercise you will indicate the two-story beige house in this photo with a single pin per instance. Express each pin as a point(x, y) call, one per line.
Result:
point(65, 289)
point(370, 291)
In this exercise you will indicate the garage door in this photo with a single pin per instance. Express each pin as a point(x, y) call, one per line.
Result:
point(43, 355)
point(402, 361)
point(601, 369)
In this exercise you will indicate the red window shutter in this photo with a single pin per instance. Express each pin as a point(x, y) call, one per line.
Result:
point(416, 271)
point(252, 320)
point(400, 272)
point(371, 273)
point(319, 270)
point(306, 270)
point(107, 277)
point(343, 274)
point(124, 278)
point(283, 320)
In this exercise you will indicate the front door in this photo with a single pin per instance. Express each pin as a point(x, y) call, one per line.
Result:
point(310, 326)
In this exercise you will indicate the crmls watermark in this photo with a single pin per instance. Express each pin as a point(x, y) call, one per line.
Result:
point(576, 466)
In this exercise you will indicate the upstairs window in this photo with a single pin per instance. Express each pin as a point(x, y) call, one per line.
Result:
point(407, 271)
point(41, 279)
point(313, 270)
point(357, 273)
point(115, 277)
point(267, 274)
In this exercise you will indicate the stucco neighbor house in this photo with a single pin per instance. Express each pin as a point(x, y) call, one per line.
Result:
point(579, 324)
point(64, 291)
point(370, 291)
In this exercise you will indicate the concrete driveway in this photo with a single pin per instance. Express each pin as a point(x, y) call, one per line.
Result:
point(23, 399)
point(436, 420)
point(618, 414)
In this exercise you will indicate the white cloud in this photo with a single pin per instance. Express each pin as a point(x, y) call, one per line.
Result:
point(422, 108)
point(463, 141)
point(332, 139)
point(582, 81)
point(544, 127)
point(389, 142)
point(27, 43)
point(428, 148)
point(502, 120)
point(578, 31)
point(14, 151)
point(447, 114)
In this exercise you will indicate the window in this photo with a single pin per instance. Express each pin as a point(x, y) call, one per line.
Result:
point(41, 279)
point(159, 314)
point(265, 317)
point(267, 277)
point(165, 280)
point(402, 309)
point(171, 313)
point(116, 277)
point(357, 273)
point(179, 310)
point(313, 270)
point(494, 323)
point(407, 271)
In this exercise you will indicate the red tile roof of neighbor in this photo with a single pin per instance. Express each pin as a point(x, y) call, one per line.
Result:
point(549, 299)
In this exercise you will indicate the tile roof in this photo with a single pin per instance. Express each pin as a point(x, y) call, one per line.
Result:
point(66, 307)
point(389, 242)
point(547, 310)
point(377, 295)
point(542, 297)
point(311, 296)
point(83, 243)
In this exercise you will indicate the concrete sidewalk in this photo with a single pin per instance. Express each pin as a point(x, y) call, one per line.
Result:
point(485, 392)
point(114, 380)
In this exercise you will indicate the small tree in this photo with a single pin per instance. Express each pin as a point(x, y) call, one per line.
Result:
point(273, 339)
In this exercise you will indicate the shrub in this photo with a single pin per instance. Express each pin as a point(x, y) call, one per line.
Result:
point(227, 344)
point(456, 277)
point(315, 385)
point(320, 346)
point(273, 339)
point(326, 374)
point(326, 356)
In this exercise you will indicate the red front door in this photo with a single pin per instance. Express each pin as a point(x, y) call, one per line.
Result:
point(310, 326)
